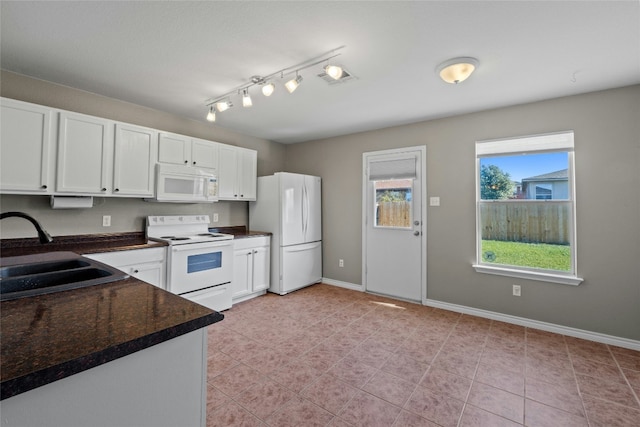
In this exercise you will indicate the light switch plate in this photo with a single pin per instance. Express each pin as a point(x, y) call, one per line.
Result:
point(434, 201)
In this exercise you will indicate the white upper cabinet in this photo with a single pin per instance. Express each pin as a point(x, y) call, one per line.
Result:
point(134, 162)
point(204, 154)
point(174, 149)
point(237, 173)
point(27, 142)
point(183, 150)
point(85, 154)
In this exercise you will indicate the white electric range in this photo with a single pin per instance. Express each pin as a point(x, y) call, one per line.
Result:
point(199, 263)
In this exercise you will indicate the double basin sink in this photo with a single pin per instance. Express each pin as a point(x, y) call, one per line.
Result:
point(30, 275)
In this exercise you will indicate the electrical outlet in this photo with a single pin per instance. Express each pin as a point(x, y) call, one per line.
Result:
point(341, 263)
point(106, 220)
point(517, 290)
point(215, 217)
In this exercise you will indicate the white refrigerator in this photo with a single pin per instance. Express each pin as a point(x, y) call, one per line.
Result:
point(289, 206)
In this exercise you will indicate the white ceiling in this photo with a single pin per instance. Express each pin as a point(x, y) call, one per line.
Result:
point(173, 56)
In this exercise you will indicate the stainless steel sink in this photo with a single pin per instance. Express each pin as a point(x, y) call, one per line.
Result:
point(30, 275)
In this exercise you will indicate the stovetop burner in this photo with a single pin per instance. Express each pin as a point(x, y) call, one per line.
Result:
point(183, 230)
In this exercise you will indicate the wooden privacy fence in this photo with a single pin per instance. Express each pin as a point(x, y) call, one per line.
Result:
point(531, 222)
point(394, 214)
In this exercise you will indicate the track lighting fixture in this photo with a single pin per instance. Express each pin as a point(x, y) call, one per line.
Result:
point(223, 102)
point(211, 116)
point(293, 84)
point(457, 70)
point(246, 99)
point(268, 89)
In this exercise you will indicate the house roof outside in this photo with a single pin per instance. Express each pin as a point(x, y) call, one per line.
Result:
point(561, 175)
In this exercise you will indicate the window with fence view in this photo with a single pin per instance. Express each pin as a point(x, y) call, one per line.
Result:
point(393, 203)
point(525, 204)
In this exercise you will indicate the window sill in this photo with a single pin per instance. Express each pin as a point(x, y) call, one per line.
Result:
point(532, 275)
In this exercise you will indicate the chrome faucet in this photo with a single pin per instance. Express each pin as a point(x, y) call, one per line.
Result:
point(42, 234)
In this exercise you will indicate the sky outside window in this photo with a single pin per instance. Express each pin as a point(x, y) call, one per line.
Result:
point(527, 165)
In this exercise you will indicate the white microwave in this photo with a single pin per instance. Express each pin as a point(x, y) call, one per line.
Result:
point(185, 184)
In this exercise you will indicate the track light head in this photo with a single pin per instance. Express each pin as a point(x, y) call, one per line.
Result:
point(246, 99)
point(293, 84)
point(211, 115)
point(223, 105)
point(333, 71)
point(267, 90)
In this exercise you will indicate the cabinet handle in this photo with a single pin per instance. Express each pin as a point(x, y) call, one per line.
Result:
point(255, 252)
point(248, 253)
point(136, 271)
point(44, 187)
point(242, 195)
point(186, 161)
point(235, 195)
point(117, 189)
point(103, 189)
point(194, 163)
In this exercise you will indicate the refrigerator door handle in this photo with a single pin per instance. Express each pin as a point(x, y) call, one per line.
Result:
point(305, 212)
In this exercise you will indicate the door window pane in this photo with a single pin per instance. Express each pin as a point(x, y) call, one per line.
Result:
point(393, 203)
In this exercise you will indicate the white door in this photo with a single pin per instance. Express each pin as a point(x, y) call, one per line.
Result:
point(394, 214)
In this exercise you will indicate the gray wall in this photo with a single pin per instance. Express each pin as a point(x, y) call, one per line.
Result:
point(607, 129)
point(127, 214)
point(607, 156)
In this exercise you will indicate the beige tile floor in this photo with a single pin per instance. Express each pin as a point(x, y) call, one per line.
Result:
point(329, 356)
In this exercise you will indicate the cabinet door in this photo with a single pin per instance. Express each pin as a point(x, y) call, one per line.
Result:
point(241, 284)
point(134, 162)
point(174, 149)
point(247, 174)
point(25, 142)
point(261, 262)
point(152, 273)
point(204, 154)
point(85, 147)
point(227, 172)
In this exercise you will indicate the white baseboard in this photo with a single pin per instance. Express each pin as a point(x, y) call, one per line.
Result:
point(342, 284)
point(536, 324)
point(522, 321)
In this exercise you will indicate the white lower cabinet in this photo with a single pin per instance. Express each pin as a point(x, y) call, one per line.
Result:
point(147, 265)
point(251, 262)
point(160, 386)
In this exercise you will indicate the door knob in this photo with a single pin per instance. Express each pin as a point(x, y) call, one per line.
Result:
point(416, 222)
point(416, 233)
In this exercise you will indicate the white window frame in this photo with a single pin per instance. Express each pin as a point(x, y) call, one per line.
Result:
point(555, 142)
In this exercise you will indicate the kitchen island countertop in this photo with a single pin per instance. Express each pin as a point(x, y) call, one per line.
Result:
point(49, 337)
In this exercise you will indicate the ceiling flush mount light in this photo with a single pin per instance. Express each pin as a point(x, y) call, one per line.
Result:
point(457, 70)
point(293, 84)
point(211, 115)
point(246, 99)
point(332, 72)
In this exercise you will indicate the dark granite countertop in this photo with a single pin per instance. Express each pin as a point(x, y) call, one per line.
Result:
point(80, 244)
point(49, 337)
point(239, 232)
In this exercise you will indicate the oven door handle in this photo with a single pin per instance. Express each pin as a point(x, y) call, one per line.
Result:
point(200, 246)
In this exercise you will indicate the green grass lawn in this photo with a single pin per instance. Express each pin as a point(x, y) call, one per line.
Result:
point(534, 255)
